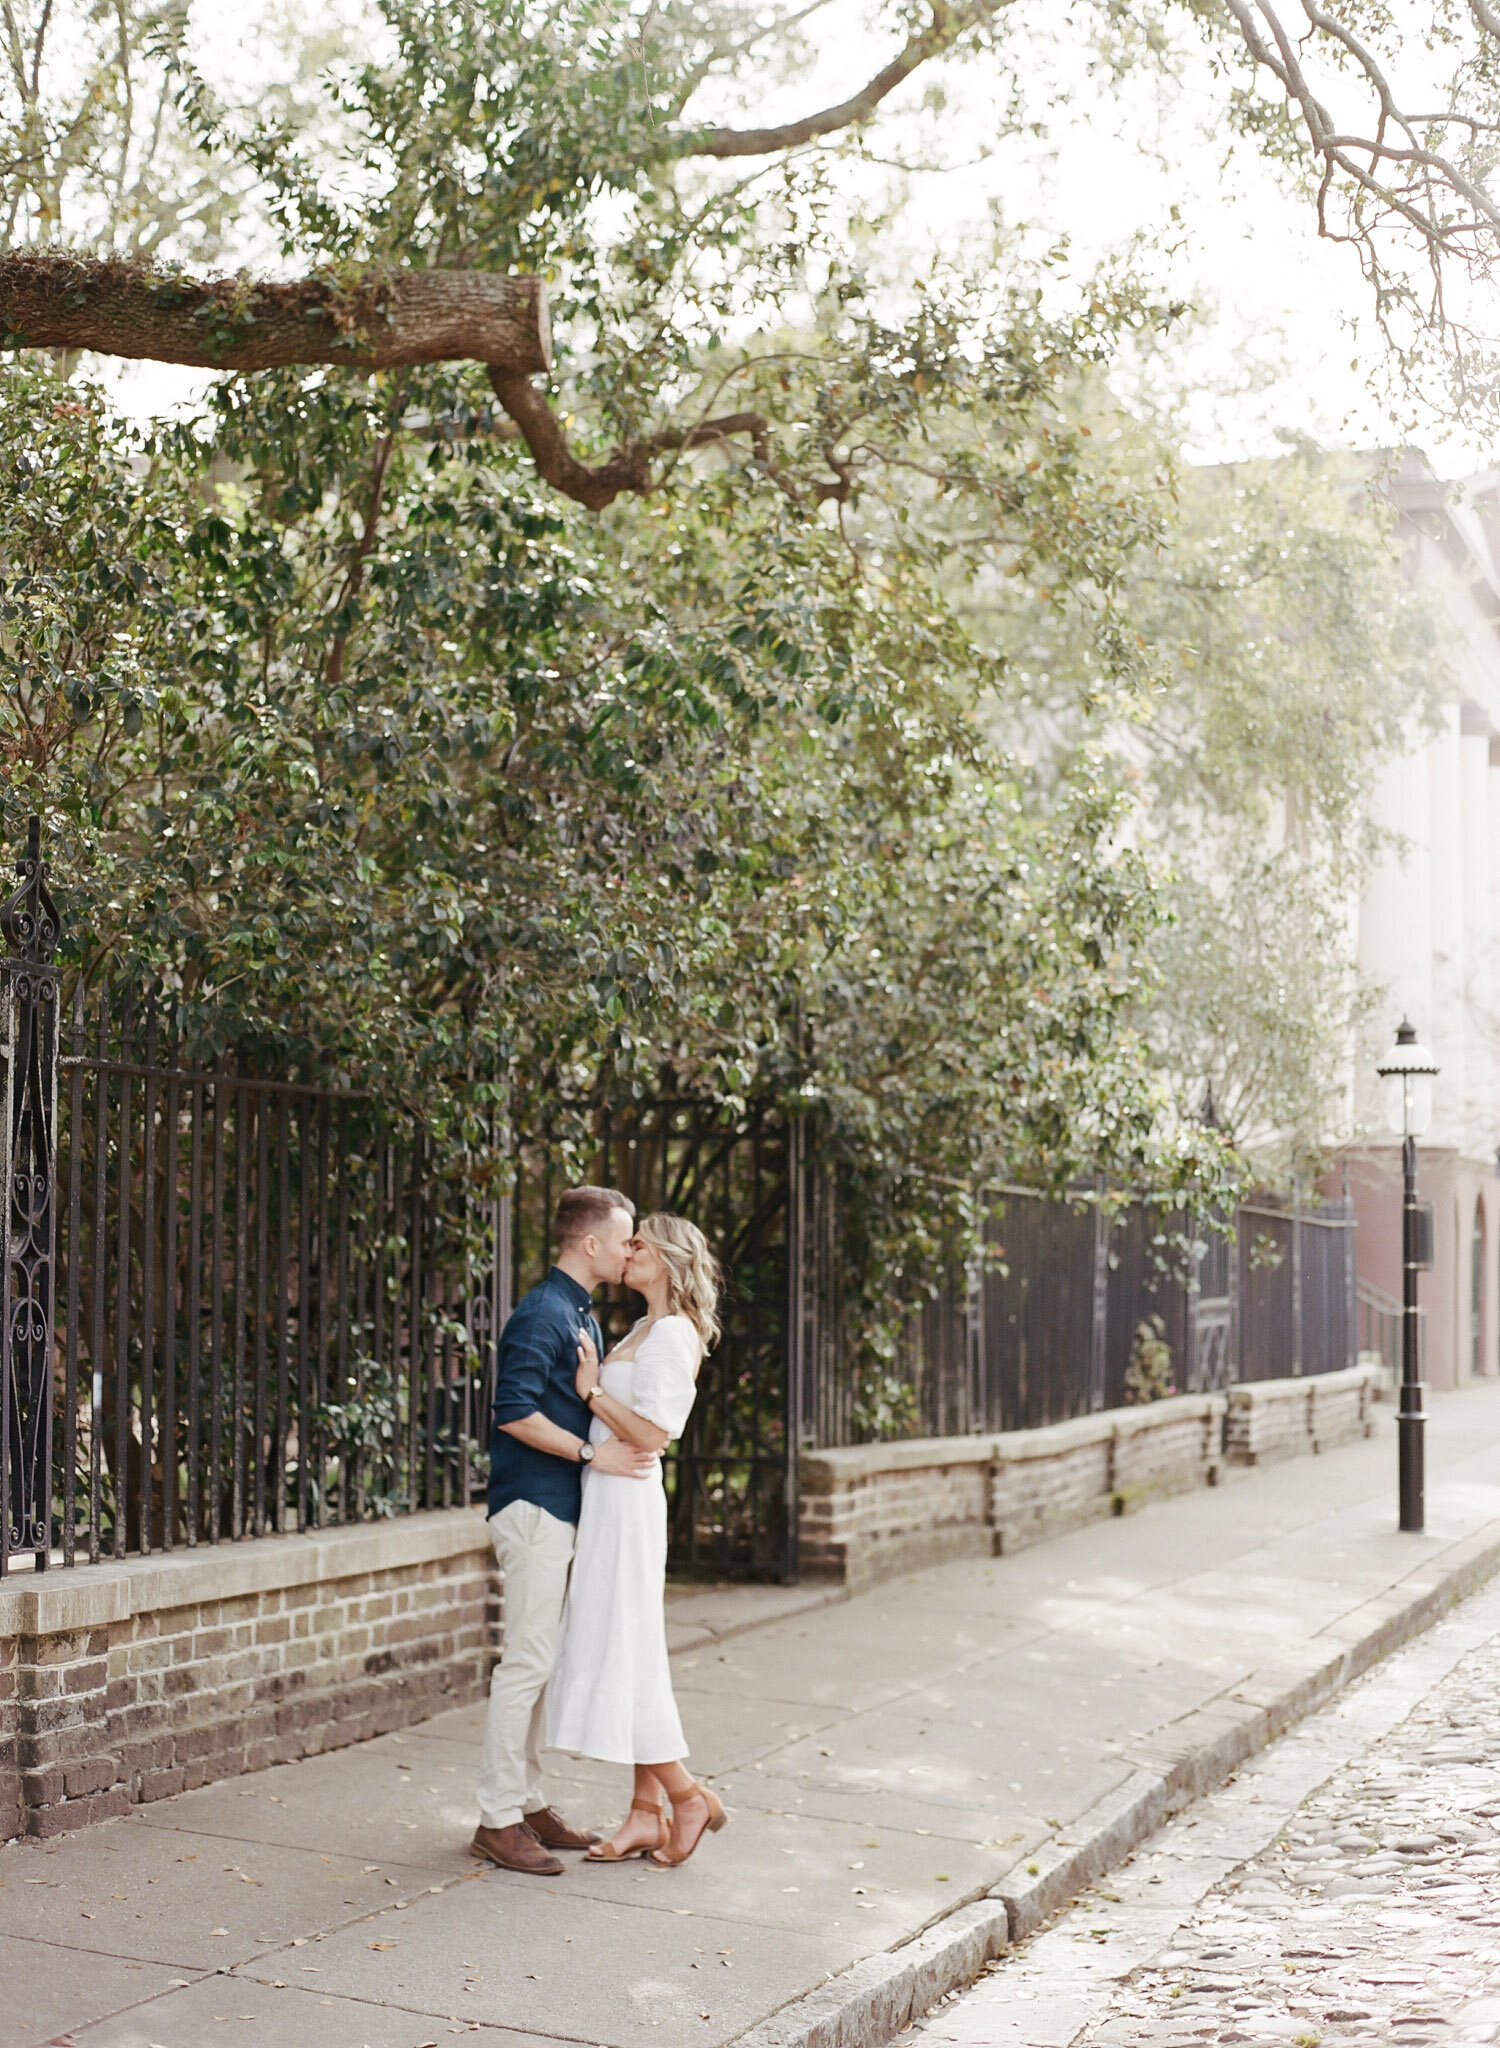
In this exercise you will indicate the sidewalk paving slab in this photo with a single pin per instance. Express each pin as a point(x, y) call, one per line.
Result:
point(894, 1762)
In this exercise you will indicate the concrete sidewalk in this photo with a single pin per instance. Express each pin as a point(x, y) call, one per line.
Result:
point(885, 1759)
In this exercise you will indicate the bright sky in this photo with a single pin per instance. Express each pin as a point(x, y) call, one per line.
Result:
point(1282, 343)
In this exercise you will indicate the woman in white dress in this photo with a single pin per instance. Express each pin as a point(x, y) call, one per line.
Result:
point(610, 1694)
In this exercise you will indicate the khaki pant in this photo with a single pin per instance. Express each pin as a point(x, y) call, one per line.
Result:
point(534, 1550)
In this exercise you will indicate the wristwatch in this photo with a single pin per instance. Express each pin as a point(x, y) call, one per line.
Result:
point(593, 1393)
point(585, 1453)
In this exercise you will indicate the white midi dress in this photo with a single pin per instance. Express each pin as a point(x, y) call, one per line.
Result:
point(610, 1693)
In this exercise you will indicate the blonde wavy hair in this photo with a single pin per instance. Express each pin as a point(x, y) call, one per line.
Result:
point(693, 1274)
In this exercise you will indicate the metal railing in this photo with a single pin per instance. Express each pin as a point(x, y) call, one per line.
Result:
point(237, 1304)
point(1380, 1322)
point(274, 1304)
point(1052, 1326)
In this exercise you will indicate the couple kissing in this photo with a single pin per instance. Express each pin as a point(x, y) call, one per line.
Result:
point(578, 1516)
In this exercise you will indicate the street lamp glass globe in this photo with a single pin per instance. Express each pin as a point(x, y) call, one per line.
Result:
point(1407, 1072)
point(1408, 1104)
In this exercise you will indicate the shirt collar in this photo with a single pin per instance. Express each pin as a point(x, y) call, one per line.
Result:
point(578, 1295)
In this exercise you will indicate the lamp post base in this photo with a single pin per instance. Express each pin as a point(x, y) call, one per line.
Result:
point(1411, 1435)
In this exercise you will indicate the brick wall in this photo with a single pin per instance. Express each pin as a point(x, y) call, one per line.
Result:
point(128, 1682)
point(1289, 1418)
point(1044, 1481)
point(877, 1509)
point(866, 1513)
point(10, 1788)
point(1169, 1447)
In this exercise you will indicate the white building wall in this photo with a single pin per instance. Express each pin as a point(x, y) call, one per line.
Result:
point(1429, 926)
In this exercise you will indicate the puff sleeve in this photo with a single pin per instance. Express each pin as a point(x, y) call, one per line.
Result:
point(666, 1375)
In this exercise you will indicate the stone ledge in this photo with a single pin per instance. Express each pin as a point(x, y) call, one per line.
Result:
point(874, 1510)
point(1266, 1393)
point(823, 1471)
point(1154, 1415)
point(66, 1601)
point(1021, 1446)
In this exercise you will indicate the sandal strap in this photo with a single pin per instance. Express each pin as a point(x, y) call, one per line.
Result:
point(645, 1806)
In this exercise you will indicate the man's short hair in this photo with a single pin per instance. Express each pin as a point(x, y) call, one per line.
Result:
point(582, 1210)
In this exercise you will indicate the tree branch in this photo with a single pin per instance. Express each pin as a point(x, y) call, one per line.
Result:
point(947, 24)
point(384, 320)
point(355, 576)
point(629, 468)
point(1357, 157)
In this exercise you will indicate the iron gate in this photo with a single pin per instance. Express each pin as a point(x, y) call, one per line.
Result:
point(237, 1304)
point(28, 1201)
point(730, 1488)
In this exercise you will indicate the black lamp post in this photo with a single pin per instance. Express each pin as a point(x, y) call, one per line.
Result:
point(1408, 1070)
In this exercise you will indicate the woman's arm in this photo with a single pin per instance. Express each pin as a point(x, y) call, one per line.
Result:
point(665, 1384)
point(623, 1421)
point(635, 1429)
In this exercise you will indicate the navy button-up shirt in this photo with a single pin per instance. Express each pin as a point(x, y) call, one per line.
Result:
point(536, 1368)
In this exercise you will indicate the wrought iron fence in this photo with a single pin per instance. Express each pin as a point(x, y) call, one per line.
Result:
point(236, 1304)
point(276, 1308)
point(1051, 1326)
point(274, 1305)
point(29, 998)
point(1381, 1318)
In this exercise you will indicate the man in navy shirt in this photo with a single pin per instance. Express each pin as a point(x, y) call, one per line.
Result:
point(538, 1448)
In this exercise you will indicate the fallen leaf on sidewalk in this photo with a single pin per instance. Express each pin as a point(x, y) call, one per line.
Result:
point(382, 1944)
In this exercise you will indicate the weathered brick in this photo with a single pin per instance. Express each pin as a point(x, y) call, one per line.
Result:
point(96, 1775)
point(142, 1709)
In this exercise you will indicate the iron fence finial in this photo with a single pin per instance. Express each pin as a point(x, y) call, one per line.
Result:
point(29, 919)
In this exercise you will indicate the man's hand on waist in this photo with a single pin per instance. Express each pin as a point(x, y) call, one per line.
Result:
point(622, 1460)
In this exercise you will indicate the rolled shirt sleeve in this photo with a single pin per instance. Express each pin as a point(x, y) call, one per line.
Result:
point(521, 1366)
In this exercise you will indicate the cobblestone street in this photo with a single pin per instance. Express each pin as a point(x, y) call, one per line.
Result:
point(1369, 1915)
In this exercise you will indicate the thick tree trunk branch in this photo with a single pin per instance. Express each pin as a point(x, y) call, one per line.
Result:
point(942, 31)
point(386, 319)
point(629, 468)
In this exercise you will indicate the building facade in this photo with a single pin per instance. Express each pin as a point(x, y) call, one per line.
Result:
point(1429, 939)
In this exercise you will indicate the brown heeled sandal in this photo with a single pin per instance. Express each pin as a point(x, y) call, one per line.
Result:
point(606, 1852)
point(663, 1857)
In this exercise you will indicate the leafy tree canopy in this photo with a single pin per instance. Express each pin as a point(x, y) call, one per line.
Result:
point(392, 761)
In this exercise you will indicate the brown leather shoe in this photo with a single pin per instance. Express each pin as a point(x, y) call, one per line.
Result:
point(514, 1848)
point(553, 1832)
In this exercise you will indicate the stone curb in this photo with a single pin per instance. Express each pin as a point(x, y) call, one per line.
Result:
point(876, 1998)
point(869, 2004)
